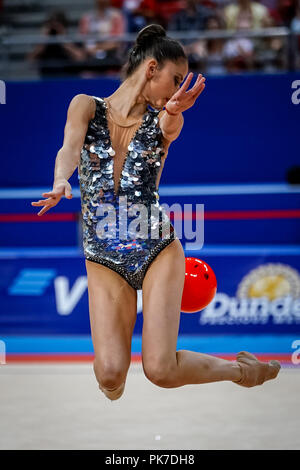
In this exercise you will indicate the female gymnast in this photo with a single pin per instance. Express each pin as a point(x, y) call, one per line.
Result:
point(119, 144)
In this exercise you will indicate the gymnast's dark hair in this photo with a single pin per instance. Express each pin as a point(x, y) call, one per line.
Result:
point(152, 41)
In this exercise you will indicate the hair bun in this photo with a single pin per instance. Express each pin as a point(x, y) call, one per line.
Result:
point(150, 34)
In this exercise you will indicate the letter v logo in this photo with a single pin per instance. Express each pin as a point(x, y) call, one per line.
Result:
point(67, 299)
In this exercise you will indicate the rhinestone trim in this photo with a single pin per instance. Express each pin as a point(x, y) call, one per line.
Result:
point(135, 280)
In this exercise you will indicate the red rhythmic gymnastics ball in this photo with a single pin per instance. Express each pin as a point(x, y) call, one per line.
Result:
point(200, 285)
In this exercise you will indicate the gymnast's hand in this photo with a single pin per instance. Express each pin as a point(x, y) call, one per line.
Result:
point(60, 188)
point(182, 100)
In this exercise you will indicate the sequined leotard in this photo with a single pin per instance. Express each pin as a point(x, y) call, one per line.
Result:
point(123, 250)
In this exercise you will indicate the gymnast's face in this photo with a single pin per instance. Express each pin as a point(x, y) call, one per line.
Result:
point(162, 83)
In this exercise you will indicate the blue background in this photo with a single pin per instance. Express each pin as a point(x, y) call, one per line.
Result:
point(234, 151)
point(241, 129)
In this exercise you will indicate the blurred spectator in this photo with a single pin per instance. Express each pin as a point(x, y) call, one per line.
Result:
point(193, 17)
point(103, 21)
point(245, 15)
point(239, 54)
point(283, 12)
point(57, 58)
point(165, 9)
point(270, 4)
point(142, 12)
point(295, 23)
point(213, 4)
point(215, 51)
point(138, 14)
point(117, 3)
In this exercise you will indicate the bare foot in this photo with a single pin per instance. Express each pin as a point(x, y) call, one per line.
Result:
point(255, 372)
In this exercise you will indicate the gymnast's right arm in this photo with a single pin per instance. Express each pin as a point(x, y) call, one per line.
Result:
point(80, 112)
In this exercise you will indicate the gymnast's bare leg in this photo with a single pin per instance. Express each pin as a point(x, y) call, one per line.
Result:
point(163, 365)
point(113, 310)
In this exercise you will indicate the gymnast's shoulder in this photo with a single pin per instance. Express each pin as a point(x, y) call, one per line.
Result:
point(84, 105)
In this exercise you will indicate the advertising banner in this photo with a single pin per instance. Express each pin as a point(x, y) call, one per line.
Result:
point(256, 293)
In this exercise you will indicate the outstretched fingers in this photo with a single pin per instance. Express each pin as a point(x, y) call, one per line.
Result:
point(198, 86)
point(195, 91)
point(45, 209)
point(186, 83)
point(47, 203)
point(201, 88)
point(41, 202)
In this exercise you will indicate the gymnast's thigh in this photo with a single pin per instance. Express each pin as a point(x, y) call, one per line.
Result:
point(113, 312)
point(162, 293)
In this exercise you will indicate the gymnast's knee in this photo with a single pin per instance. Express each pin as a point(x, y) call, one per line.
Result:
point(160, 373)
point(109, 375)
